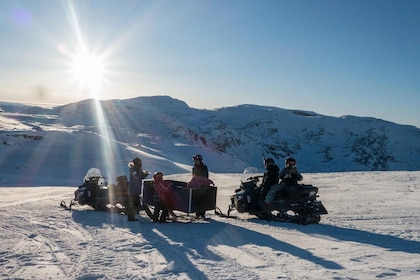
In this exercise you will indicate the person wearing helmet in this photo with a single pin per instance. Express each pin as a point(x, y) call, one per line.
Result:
point(199, 170)
point(289, 176)
point(134, 187)
point(270, 177)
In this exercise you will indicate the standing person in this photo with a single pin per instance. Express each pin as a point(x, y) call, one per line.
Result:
point(162, 197)
point(199, 170)
point(289, 176)
point(271, 176)
point(134, 187)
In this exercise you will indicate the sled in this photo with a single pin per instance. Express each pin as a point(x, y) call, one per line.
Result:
point(184, 199)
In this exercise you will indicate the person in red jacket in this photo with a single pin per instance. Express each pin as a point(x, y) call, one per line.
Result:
point(162, 197)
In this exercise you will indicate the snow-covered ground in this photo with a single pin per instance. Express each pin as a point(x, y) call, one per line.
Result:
point(372, 231)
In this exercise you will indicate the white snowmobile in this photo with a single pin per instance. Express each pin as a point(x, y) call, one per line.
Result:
point(96, 193)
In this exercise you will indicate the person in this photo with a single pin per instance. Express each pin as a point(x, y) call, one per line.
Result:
point(270, 177)
point(198, 182)
point(134, 187)
point(199, 170)
point(289, 176)
point(162, 197)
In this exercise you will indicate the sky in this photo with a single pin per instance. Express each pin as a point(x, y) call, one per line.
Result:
point(335, 58)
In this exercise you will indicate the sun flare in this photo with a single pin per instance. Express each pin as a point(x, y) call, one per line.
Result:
point(89, 70)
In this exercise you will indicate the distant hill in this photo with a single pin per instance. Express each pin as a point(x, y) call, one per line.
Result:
point(166, 132)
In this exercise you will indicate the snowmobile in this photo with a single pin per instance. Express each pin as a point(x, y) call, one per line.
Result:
point(296, 204)
point(96, 193)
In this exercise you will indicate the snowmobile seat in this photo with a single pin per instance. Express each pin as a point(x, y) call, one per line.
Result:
point(299, 191)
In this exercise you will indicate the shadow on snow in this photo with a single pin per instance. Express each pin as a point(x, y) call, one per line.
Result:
point(392, 243)
point(176, 242)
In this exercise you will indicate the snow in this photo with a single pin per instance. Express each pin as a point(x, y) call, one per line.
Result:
point(165, 133)
point(372, 231)
point(11, 124)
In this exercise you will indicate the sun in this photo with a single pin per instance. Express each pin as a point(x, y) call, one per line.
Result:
point(88, 69)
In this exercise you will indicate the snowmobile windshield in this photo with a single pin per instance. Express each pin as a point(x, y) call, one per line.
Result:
point(94, 173)
point(250, 172)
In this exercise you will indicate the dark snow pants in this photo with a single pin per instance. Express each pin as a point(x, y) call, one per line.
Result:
point(133, 207)
point(269, 198)
point(160, 206)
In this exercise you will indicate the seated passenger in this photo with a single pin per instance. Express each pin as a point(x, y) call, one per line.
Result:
point(289, 176)
point(270, 177)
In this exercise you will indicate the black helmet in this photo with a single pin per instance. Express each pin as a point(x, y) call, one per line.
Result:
point(290, 162)
point(268, 162)
point(197, 157)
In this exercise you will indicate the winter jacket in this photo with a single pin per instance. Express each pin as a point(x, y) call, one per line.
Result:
point(289, 176)
point(136, 177)
point(162, 190)
point(271, 177)
point(200, 170)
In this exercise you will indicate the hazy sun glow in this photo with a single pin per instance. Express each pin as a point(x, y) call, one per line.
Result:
point(88, 69)
point(87, 66)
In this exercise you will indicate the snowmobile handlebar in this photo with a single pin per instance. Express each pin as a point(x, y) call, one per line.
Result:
point(255, 178)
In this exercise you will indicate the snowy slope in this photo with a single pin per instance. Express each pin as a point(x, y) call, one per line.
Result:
point(372, 231)
point(67, 140)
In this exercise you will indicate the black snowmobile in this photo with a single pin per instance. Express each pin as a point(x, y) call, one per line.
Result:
point(296, 204)
point(96, 193)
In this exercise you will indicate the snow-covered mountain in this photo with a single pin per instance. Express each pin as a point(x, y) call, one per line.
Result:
point(166, 132)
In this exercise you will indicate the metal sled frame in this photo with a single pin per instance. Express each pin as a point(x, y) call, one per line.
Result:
point(187, 200)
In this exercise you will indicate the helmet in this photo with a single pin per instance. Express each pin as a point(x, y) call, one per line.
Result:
point(268, 162)
point(290, 162)
point(197, 157)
